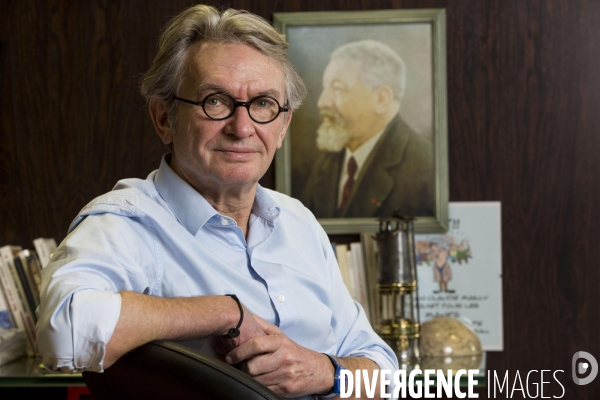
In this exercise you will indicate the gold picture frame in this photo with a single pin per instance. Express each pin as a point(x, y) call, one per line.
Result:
point(419, 37)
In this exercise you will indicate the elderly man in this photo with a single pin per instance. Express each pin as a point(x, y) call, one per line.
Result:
point(372, 162)
point(182, 254)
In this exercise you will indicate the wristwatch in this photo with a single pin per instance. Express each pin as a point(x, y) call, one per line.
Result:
point(336, 377)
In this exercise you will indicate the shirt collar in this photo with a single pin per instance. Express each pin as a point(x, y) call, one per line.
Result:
point(191, 209)
point(264, 206)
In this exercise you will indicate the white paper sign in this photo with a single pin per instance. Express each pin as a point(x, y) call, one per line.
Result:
point(460, 272)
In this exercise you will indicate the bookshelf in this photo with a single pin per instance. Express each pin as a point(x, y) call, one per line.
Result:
point(28, 372)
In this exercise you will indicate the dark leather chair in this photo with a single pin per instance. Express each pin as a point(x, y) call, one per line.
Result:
point(169, 370)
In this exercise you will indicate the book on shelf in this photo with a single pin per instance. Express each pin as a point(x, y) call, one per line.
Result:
point(9, 290)
point(44, 247)
point(352, 268)
point(6, 320)
point(360, 273)
point(23, 315)
point(352, 282)
point(370, 254)
point(34, 268)
point(21, 265)
point(340, 252)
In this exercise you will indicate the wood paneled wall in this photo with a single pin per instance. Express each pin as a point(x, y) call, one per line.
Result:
point(524, 124)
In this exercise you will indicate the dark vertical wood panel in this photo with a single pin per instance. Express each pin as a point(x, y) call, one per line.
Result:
point(524, 101)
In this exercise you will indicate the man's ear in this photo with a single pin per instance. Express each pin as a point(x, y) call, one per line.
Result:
point(160, 119)
point(383, 97)
point(286, 124)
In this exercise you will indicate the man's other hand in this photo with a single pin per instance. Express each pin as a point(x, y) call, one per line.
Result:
point(282, 365)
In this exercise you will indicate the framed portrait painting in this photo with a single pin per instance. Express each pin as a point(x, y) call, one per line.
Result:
point(370, 139)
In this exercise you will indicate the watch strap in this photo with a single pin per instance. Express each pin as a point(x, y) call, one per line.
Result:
point(336, 376)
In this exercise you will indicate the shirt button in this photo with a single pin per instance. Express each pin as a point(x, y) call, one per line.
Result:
point(224, 221)
point(281, 298)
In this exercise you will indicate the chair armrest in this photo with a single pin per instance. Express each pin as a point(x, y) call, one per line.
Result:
point(164, 369)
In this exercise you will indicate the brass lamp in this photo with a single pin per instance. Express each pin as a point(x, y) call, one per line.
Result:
point(398, 321)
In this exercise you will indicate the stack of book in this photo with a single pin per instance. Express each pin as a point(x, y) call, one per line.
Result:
point(20, 271)
point(358, 261)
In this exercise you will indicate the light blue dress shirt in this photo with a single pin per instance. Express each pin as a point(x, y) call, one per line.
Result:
point(160, 237)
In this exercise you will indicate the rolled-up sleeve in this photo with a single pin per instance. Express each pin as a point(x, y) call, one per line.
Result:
point(73, 338)
point(80, 302)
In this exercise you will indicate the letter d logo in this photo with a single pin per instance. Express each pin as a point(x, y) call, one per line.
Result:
point(583, 367)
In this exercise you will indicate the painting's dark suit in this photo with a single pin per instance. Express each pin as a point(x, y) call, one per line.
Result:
point(398, 173)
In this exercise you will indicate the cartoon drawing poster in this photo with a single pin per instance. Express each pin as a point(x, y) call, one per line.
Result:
point(460, 272)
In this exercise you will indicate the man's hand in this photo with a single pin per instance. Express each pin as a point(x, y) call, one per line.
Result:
point(282, 365)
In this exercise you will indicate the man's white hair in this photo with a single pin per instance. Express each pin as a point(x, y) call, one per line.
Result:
point(378, 64)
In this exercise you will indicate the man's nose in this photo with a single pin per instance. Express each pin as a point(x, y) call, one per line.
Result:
point(240, 123)
point(324, 99)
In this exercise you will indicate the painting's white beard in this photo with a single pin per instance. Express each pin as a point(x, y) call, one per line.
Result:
point(332, 135)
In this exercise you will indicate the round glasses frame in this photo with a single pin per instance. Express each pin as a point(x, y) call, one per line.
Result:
point(236, 104)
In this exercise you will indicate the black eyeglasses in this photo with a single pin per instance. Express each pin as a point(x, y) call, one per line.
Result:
point(219, 106)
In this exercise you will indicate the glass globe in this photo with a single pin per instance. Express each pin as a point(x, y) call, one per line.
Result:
point(448, 343)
